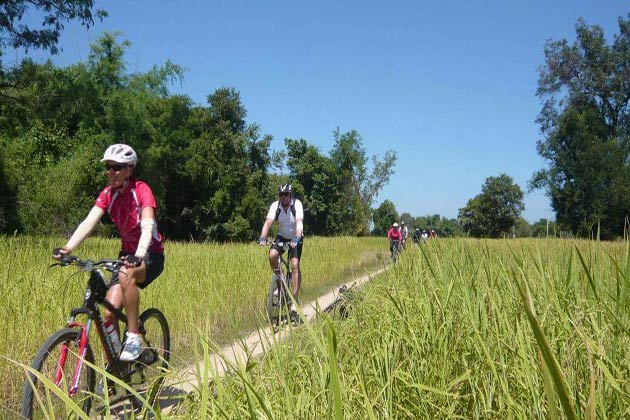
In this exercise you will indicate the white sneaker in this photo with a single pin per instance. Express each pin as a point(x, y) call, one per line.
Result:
point(133, 348)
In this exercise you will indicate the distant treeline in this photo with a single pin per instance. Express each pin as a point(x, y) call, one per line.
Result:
point(213, 173)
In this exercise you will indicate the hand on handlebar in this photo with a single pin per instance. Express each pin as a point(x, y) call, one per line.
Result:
point(294, 242)
point(132, 261)
point(262, 241)
point(59, 253)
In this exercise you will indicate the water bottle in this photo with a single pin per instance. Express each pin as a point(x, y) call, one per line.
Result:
point(110, 331)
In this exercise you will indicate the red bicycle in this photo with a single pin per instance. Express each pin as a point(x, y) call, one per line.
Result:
point(60, 363)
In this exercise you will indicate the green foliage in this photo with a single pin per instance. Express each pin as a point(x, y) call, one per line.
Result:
point(208, 168)
point(585, 123)
point(54, 14)
point(493, 212)
point(383, 217)
point(9, 221)
point(522, 229)
point(338, 190)
point(543, 228)
point(443, 226)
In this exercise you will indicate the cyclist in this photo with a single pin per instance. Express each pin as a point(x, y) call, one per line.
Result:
point(416, 235)
point(394, 234)
point(131, 206)
point(289, 213)
point(405, 233)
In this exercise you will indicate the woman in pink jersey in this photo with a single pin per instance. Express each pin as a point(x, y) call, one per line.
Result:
point(131, 206)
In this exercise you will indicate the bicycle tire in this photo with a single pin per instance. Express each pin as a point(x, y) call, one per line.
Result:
point(274, 301)
point(85, 396)
point(155, 357)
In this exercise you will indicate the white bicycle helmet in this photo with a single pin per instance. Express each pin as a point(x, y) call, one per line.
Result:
point(395, 224)
point(120, 153)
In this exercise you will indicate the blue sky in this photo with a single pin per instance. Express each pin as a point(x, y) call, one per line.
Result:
point(449, 85)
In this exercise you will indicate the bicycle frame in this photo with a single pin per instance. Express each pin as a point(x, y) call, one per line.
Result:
point(95, 293)
point(281, 262)
point(282, 287)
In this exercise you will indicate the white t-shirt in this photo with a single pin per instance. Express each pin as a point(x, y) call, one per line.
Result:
point(286, 220)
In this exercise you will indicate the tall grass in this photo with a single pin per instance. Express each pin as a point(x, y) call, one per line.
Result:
point(214, 290)
point(456, 329)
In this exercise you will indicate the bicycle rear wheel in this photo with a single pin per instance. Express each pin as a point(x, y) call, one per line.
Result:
point(154, 360)
point(56, 360)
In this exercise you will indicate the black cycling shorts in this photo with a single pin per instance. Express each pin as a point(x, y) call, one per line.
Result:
point(293, 252)
point(155, 266)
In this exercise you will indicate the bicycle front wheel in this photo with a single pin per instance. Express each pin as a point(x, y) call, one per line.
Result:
point(274, 298)
point(156, 352)
point(58, 362)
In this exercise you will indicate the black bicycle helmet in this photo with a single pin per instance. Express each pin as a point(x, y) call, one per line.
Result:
point(284, 188)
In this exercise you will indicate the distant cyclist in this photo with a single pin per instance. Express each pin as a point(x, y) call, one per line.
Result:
point(405, 233)
point(289, 213)
point(394, 234)
point(416, 235)
point(131, 206)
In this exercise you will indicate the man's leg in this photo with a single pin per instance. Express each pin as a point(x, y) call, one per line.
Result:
point(296, 277)
point(273, 260)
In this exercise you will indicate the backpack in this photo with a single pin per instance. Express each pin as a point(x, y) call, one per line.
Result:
point(279, 209)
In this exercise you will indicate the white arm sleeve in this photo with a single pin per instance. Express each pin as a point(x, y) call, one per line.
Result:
point(146, 233)
point(84, 229)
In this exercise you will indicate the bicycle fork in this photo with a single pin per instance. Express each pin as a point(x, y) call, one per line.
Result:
point(83, 346)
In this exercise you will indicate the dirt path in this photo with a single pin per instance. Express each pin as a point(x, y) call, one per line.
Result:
point(253, 345)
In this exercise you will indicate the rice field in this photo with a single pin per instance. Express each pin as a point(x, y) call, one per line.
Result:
point(206, 290)
point(456, 329)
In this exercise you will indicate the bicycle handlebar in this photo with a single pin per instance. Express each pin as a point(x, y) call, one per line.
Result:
point(280, 244)
point(89, 265)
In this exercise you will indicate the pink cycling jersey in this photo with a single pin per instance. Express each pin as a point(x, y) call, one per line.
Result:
point(125, 210)
point(394, 234)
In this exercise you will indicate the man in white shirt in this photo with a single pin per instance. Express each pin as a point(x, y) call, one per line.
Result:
point(289, 213)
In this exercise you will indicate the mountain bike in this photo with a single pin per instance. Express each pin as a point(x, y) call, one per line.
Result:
point(279, 296)
point(343, 301)
point(65, 361)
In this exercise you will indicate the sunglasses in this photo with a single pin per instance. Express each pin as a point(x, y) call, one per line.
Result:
point(115, 168)
point(285, 194)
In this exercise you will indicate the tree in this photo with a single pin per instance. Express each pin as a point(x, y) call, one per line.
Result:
point(55, 14)
point(383, 217)
point(338, 189)
point(443, 226)
point(585, 127)
point(493, 212)
point(357, 187)
point(522, 229)
point(314, 174)
point(406, 217)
